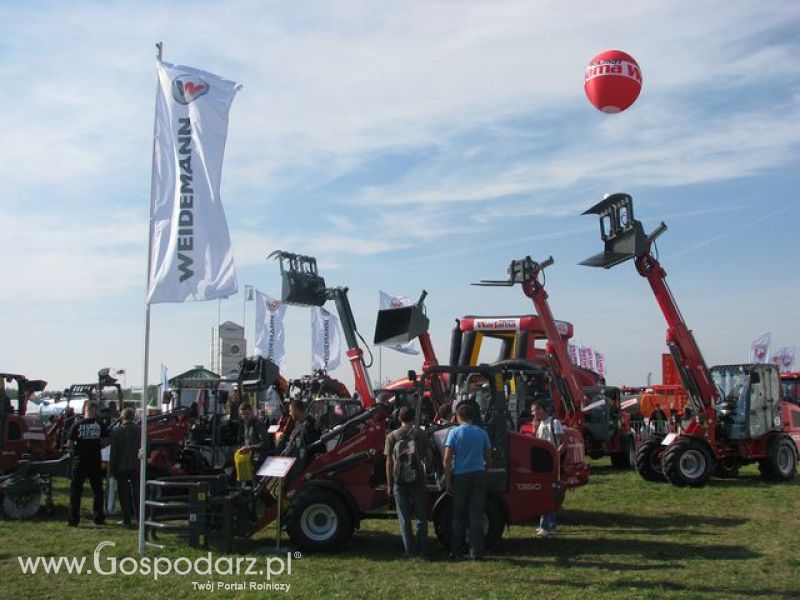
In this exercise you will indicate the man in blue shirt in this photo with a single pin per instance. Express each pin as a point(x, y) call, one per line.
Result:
point(467, 455)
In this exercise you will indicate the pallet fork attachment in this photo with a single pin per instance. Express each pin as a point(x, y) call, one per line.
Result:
point(623, 235)
point(302, 285)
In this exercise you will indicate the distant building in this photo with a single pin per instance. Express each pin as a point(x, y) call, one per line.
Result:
point(230, 348)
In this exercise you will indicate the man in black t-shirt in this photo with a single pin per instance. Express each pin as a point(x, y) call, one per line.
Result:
point(86, 438)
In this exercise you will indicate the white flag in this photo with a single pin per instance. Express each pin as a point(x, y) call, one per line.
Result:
point(325, 340)
point(164, 379)
point(600, 364)
point(165, 389)
point(784, 358)
point(759, 349)
point(389, 301)
point(249, 293)
point(586, 357)
point(573, 354)
point(269, 329)
point(191, 255)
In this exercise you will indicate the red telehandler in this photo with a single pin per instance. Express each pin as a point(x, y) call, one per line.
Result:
point(593, 410)
point(735, 414)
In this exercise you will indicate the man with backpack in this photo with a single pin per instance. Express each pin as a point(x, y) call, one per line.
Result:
point(406, 451)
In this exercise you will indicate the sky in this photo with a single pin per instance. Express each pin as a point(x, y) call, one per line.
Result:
point(408, 146)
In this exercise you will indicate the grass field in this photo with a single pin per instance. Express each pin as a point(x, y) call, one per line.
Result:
point(619, 537)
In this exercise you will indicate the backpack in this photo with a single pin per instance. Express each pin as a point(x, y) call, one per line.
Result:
point(408, 468)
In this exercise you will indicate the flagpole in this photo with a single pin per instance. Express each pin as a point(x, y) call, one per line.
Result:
point(218, 349)
point(143, 451)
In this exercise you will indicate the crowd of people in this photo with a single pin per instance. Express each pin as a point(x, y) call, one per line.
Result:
point(409, 455)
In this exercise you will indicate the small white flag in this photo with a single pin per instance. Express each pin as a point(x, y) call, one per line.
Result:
point(586, 357)
point(759, 349)
point(325, 340)
point(191, 253)
point(269, 329)
point(249, 293)
point(600, 364)
point(389, 301)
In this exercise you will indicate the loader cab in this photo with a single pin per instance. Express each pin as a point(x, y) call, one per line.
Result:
point(749, 400)
point(790, 387)
point(508, 337)
point(484, 388)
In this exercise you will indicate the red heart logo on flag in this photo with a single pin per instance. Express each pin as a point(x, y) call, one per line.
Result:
point(194, 89)
point(185, 90)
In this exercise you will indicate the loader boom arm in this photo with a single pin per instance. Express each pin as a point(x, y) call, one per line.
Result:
point(625, 239)
point(689, 360)
point(303, 286)
point(354, 352)
point(572, 397)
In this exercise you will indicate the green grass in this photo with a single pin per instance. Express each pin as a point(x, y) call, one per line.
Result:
point(618, 537)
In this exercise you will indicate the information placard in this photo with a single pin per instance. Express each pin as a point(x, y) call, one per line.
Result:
point(276, 466)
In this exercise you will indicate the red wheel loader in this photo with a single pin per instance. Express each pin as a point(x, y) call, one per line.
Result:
point(735, 412)
point(592, 410)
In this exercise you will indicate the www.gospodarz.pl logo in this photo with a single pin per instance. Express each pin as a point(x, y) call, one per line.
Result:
point(160, 566)
point(186, 89)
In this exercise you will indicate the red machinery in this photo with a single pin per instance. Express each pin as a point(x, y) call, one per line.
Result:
point(737, 416)
point(30, 451)
point(22, 434)
point(402, 324)
point(669, 395)
point(344, 481)
point(580, 400)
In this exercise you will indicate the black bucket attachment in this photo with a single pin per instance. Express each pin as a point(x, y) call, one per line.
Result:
point(623, 235)
point(302, 285)
point(401, 325)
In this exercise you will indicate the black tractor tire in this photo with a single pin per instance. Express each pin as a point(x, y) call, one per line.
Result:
point(625, 458)
point(493, 528)
point(688, 462)
point(648, 460)
point(22, 505)
point(319, 520)
point(781, 461)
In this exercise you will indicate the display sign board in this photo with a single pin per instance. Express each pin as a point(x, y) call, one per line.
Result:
point(276, 466)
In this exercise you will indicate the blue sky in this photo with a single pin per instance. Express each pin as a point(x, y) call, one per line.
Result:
point(407, 145)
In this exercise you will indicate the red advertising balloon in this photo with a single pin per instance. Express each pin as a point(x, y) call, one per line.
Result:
point(613, 81)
